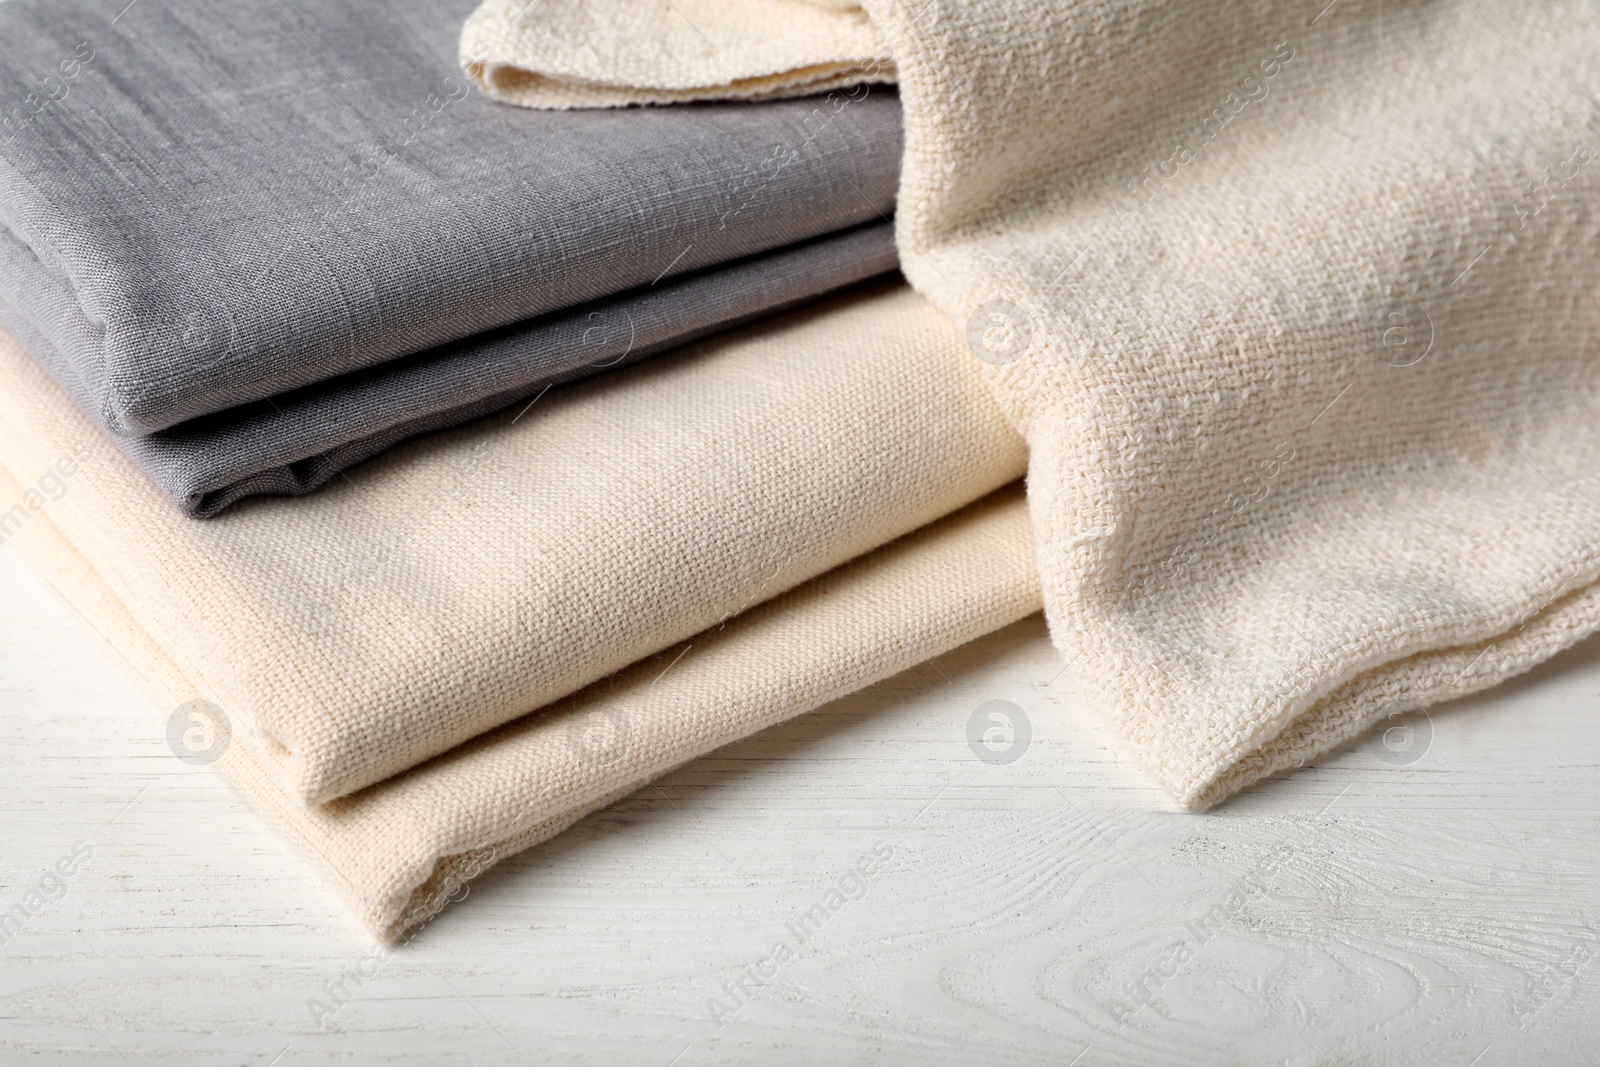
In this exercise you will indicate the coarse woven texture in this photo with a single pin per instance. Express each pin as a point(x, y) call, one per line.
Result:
point(1293, 304)
point(295, 442)
point(458, 583)
point(207, 207)
point(399, 851)
point(574, 53)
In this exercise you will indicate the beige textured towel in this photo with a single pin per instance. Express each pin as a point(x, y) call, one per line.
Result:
point(473, 576)
point(399, 851)
point(1295, 306)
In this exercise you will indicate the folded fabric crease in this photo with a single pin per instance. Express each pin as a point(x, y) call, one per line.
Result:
point(260, 262)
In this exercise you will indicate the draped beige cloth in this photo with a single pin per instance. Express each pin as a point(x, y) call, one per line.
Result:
point(1294, 304)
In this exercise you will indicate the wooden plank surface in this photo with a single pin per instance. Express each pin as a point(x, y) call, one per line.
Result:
point(1432, 906)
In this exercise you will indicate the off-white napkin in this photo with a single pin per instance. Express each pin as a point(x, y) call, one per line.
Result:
point(471, 577)
point(1295, 306)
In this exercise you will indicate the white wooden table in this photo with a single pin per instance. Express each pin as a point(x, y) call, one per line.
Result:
point(1438, 909)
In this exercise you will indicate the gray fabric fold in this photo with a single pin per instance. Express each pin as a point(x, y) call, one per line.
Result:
point(258, 242)
point(290, 444)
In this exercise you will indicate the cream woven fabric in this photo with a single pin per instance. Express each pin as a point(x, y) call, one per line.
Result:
point(474, 576)
point(1294, 305)
point(399, 851)
point(589, 54)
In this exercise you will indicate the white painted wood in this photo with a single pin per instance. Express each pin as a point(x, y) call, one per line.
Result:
point(1355, 912)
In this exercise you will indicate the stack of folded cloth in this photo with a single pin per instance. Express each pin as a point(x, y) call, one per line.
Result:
point(277, 247)
point(249, 245)
point(258, 243)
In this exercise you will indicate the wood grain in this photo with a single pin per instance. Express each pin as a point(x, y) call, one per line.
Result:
point(1052, 910)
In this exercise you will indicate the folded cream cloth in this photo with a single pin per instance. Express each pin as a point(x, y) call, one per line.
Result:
point(400, 850)
point(590, 54)
point(469, 578)
point(1294, 304)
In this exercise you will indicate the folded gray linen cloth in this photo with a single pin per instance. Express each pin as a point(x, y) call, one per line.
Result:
point(260, 241)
